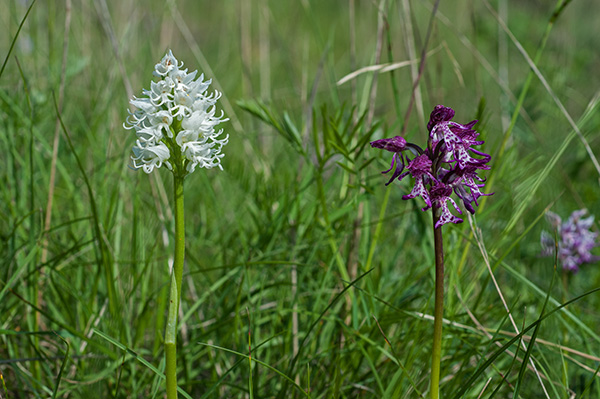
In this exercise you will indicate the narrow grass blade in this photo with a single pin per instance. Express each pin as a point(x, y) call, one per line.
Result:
point(62, 367)
point(139, 359)
point(500, 351)
point(12, 44)
point(259, 362)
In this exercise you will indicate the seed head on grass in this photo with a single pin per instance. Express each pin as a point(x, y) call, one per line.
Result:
point(575, 240)
point(448, 164)
point(175, 122)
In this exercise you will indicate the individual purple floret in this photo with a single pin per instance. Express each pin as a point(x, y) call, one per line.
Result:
point(396, 145)
point(444, 167)
point(575, 240)
point(420, 169)
point(440, 195)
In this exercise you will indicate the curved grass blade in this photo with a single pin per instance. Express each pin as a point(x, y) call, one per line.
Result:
point(259, 362)
point(105, 258)
point(517, 337)
point(216, 384)
point(533, 338)
point(62, 367)
point(318, 319)
point(12, 45)
point(140, 359)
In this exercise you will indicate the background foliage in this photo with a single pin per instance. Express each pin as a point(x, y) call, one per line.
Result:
point(297, 253)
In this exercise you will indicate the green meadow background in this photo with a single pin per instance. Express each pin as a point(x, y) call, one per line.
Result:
point(297, 254)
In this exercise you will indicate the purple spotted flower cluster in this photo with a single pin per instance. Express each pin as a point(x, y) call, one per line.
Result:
point(575, 240)
point(448, 164)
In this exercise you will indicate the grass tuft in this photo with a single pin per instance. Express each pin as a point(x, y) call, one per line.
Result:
point(305, 276)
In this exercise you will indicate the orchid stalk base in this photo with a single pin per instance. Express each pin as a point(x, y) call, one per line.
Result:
point(175, 292)
point(438, 313)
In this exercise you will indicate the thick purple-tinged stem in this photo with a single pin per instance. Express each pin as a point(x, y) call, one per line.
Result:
point(438, 312)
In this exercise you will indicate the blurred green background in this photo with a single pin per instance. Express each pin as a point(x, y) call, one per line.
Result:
point(300, 210)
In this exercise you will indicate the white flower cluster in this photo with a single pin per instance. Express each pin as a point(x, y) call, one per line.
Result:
point(175, 122)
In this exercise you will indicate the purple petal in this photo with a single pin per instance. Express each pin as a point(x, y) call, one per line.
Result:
point(419, 190)
point(439, 114)
point(446, 216)
point(395, 144)
point(399, 167)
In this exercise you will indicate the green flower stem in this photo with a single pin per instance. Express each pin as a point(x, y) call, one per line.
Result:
point(175, 292)
point(438, 312)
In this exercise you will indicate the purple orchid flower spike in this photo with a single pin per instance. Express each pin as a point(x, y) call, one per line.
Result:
point(448, 164)
point(575, 240)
